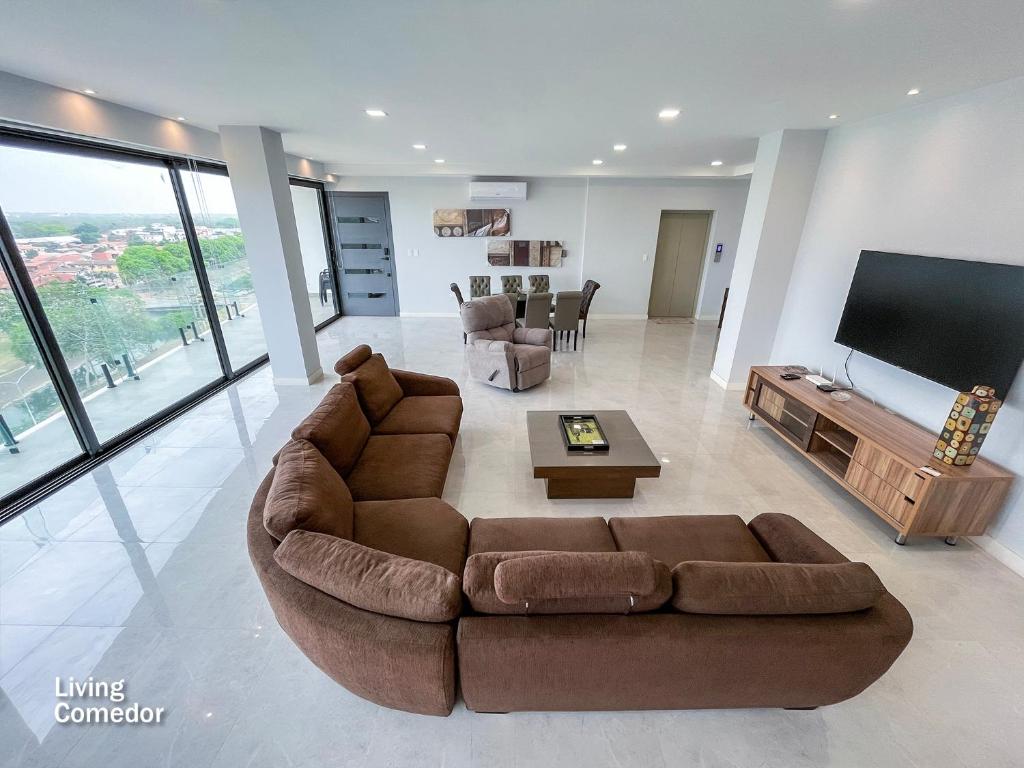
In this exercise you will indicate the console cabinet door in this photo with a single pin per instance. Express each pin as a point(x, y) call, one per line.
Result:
point(792, 417)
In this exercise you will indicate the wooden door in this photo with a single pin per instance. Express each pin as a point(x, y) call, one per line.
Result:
point(678, 261)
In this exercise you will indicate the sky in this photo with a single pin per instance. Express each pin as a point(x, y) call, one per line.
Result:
point(33, 181)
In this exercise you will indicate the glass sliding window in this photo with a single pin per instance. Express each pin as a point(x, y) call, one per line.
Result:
point(103, 243)
point(35, 435)
point(315, 262)
point(223, 249)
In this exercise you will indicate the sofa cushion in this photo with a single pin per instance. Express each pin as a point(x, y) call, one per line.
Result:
point(421, 529)
point(676, 538)
point(529, 356)
point(401, 467)
point(539, 582)
point(758, 589)
point(307, 493)
point(369, 579)
point(552, 534)
point(378, 390)
point(423, 414)
point(337, 427)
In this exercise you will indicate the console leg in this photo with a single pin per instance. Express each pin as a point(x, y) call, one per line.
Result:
point(951, 540)
point(750, 417)
point(901, 539)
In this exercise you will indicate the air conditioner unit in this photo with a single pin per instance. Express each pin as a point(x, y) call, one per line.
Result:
point(497, 190)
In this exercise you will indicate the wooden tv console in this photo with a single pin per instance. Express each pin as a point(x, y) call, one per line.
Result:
point(880, 458)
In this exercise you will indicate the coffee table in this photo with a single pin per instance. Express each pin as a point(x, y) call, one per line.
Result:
point(609, 474)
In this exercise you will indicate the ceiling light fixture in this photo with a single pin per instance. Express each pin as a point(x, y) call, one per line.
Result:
point(439, 160)
point(913, 92)
point(833, 117)
point(669, 113)
point(596, 161)
point(619, 147)
point(716, 162)
point(376, 113)
point(419, 146)
point(88, 91)
point(180, 119)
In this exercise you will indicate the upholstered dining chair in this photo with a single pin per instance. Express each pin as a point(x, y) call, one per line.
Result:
point(538, 310)
point(589, 289)
point(511, 283)
point(458, 298)
point(539, 283)
point(479, 285)
point(567, 315)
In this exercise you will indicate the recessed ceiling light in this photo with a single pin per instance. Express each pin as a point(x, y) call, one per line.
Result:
point(669, 114)
point(619, 147)
point(180, 119)
point(376, 113)
point(716, 162)
point(88, 91)
point(596, 161)
point(833, 117)
point(419, 146)
point(913, 92)
point(439, 160)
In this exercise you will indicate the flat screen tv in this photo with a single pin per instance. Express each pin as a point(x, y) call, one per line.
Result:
point(960, 323)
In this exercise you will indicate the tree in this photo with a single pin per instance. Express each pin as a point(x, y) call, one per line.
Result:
point(146, 262)
point(87, 233)
point(29, 228)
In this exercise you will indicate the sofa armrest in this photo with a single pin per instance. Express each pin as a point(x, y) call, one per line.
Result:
point(537, 337)
point(421, 384)
point(371, 579)
point(787, 540)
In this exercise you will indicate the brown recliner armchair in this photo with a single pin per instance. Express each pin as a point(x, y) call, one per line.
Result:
point(500, 354)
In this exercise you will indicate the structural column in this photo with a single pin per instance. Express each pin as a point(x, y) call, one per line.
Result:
point(783, 179)
point(259, 180)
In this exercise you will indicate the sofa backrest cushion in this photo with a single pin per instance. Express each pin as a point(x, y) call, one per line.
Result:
point(370, 579)
point(378, 390)
point(542, 582)
point(352, 360)
point(307, 493)
point(761, 589)
point(337, 427)
point(489, 317)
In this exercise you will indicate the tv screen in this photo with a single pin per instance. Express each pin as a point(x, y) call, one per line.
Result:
point(960, 323)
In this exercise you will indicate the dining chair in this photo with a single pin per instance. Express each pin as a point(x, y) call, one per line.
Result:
point(458, 297)
point(479, 285)
point(538, 310)
point(567, 315)
point(539, 283)
point(511, 283)
point(589, 289)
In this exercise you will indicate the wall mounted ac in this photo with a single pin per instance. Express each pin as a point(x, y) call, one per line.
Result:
point(497, 190)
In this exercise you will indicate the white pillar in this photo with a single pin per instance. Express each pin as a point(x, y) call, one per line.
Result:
point(259, 179)
point(785, 169)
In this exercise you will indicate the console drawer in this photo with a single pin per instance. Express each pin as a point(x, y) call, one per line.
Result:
point(890, 470)
point(889, 498)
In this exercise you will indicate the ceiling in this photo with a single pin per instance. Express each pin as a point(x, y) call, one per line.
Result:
point(518, 87)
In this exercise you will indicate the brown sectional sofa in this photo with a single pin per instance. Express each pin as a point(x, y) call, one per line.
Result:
point(388, 589)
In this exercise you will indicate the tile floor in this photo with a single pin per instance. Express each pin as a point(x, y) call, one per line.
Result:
point(139, 571)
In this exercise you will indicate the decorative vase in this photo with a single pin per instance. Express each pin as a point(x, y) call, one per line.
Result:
point(968, 424)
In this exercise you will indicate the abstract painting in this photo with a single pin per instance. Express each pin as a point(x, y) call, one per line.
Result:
point(499, 253)
point(537, 253)
point(472, 222)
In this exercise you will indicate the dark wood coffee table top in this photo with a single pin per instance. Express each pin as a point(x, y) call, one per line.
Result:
point(627, 456)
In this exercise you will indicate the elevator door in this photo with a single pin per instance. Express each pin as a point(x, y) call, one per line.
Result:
point(366, 258)
point(682, 242)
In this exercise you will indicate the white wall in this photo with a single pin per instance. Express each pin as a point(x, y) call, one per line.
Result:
point(942, 179)
point(34, 104)
point(605, 238)
point(622, 227)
